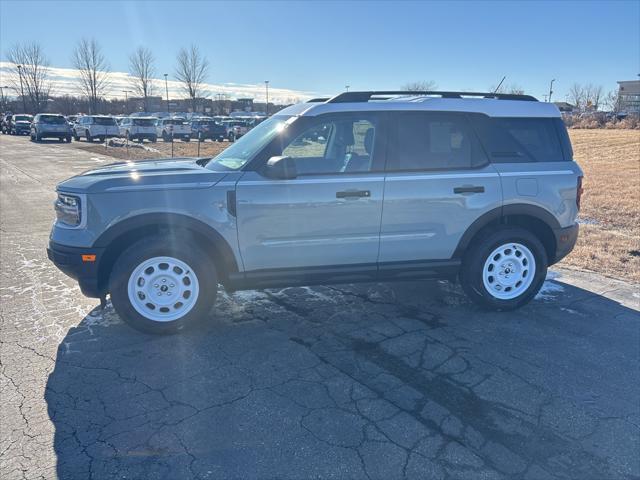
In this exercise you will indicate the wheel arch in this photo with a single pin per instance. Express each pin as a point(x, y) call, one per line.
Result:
point(124, 233)
point(535, 219)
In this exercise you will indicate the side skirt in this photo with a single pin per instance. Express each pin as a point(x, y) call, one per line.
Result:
point(384, 272)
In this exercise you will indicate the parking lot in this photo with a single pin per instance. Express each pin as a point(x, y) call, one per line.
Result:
point(379, 381)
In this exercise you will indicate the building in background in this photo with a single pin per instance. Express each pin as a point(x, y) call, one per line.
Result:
point(629, 97)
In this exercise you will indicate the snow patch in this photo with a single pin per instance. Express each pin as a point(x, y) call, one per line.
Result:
point(550, 289)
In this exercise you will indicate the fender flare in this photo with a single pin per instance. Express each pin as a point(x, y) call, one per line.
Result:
point(171, 220)
point(498, 215)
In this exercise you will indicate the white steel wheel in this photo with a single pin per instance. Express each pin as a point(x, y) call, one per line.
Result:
point(509, 271)
point(163, 289)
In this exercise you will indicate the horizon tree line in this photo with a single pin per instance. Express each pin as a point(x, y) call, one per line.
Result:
point(29, 74)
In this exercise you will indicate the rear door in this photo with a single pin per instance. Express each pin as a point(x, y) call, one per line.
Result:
point(438, 182)
point(329, 215)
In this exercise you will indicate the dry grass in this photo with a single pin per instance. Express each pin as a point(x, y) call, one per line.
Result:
point(609, 240)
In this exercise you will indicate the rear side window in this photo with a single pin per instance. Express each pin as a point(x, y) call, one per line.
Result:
point(513, 140)
point(433, 141)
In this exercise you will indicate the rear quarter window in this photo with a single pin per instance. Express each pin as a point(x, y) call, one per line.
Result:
point(514, 140)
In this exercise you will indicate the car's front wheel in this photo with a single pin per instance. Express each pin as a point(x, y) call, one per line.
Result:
point(160, 286)
point(505, 269)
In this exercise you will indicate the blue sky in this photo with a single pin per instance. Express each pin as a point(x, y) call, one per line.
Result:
point(319, 47)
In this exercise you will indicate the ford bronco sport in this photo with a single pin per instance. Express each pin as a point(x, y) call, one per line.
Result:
point(364, 186)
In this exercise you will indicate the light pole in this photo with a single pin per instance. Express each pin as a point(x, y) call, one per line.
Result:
point(266, 85)
point(551, 89)
point(166, 87)
point(346, 88)
point(24, 103)
point(126, 100)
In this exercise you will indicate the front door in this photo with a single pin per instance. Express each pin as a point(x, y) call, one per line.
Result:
point(329, 215)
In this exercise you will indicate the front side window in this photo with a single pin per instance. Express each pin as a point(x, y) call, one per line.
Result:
point(335, 145)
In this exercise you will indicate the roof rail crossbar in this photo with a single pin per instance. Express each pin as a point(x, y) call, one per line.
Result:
point(357, 97)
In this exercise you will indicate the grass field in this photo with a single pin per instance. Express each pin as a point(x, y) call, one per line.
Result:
point(609, 240)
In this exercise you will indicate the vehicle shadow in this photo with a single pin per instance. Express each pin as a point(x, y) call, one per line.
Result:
point(393, 380)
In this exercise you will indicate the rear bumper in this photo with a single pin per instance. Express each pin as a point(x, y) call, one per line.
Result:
point(566, 239)
point(70, 262)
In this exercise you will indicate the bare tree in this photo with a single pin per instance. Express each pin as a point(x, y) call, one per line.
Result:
point(32, 76)
point(192, 70)
point(593, 96)
point(612, 101)
point(142, 69)
point(94, 71)
point(577, 96)
point(420, 86)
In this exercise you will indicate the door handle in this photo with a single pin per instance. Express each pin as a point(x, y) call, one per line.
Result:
point(471, 189)
point(353, 194)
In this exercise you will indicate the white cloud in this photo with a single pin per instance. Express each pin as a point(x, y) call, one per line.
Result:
point(65, 81)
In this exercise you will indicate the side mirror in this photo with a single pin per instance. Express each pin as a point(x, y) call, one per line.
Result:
point(282, 168)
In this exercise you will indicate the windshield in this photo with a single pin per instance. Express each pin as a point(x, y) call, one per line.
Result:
point(144, 122)
point(53, 119)
point(175, 121)
point(104, 121)
point(22, 118)
point(243, 150)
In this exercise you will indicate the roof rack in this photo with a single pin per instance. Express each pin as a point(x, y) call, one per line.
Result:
point(319, 100)
point(356, 97)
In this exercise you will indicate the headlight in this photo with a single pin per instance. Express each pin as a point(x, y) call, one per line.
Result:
point(68, 209)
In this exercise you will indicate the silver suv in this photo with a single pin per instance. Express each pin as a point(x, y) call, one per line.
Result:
point(364, 186)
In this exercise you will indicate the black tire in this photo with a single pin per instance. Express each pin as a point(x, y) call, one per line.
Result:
point(38, 137)
point(181, 248)
point(471, 273)
point(154, 139)
point(186, 139)
point(231, 137)
point(76, 137)
point(88, 136)
point(165, 137)
point(60, 139)
point(68, 138)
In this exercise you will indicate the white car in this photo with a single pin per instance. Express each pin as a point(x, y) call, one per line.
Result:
point(139, 128)
point(173, 127)
point(235, 129)
point(95, 127)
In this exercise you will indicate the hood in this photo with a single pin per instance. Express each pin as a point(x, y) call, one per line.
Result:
point(161, 174)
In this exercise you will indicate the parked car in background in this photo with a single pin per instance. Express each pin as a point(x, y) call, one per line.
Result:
point(365, 186)
point(71, 120)
point(173, 127)
point(93, 127)
point(50, 125)
point(20, 124)
point(235, 129)
point(4, 123)
point(138, 128)
point(203, 128)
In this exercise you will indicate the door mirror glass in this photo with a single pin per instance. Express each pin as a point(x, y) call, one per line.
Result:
point(280, 168)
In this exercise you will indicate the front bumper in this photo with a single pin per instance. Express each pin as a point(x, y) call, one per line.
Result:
point(566, 239)
point(69, 261)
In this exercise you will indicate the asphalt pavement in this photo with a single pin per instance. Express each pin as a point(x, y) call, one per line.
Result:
point(381, 381)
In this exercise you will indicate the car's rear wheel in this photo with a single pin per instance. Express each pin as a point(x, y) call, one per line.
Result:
point(165, 137)
point(505, 269)
point(160, 286)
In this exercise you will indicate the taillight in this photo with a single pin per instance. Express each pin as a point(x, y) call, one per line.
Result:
point(579, 192)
